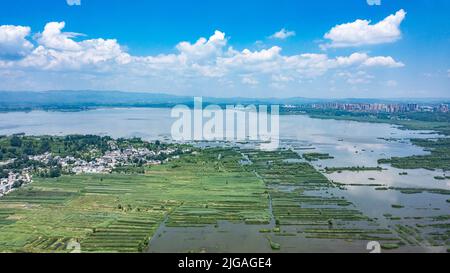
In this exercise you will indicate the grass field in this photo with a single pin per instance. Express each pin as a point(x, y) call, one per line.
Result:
point(119, 213)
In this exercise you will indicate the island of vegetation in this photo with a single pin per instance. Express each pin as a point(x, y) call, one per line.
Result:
point(316, 156)
point(438, 157)
point(352, 169)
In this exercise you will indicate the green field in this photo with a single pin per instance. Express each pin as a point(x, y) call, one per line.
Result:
point(439, 157)
point(120, 213)
point(298, 206)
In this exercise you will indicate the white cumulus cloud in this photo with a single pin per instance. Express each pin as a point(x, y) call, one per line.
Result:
point(13, 42)
point(203, 48)
point(382, 61)
point(362, 32)
point(282, 34)
point(57, 50)
point(52, 37)
point(210, 61)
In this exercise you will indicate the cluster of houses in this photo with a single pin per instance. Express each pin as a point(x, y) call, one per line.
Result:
point(14, 180)
point(107, 162)
point(117, 158)
point(104, 164)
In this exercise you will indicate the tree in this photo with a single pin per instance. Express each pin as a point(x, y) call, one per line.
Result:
point(16, 141)
point(17, 184)
point(45, 146)
point(55, 172)
point(28, 149)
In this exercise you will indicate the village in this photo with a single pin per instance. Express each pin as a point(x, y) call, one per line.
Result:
point(106, 163)
point(14, 180)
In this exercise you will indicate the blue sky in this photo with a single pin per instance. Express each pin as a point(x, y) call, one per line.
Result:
point(330, 49)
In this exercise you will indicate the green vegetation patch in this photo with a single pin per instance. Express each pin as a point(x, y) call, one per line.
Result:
point(352, 169)
point(316, 156)
point(300, 198)
point(121, 212)
point(439, 157)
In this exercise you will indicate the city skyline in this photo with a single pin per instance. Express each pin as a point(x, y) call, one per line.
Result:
point(394, 50)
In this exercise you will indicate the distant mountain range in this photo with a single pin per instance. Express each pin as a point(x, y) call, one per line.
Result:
point(22, 100)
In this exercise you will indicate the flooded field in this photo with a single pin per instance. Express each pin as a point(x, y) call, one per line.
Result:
point(325, 192)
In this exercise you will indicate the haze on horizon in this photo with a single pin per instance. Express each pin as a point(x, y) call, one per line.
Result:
point(325, 49)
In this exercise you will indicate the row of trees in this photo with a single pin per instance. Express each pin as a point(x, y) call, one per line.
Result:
point(18, 145)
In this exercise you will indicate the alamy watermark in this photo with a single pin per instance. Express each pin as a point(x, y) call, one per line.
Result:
point(374, 247)
point(73, 246)
point(230, 123)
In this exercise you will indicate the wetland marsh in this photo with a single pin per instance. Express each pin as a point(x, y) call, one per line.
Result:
point(235, 198)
